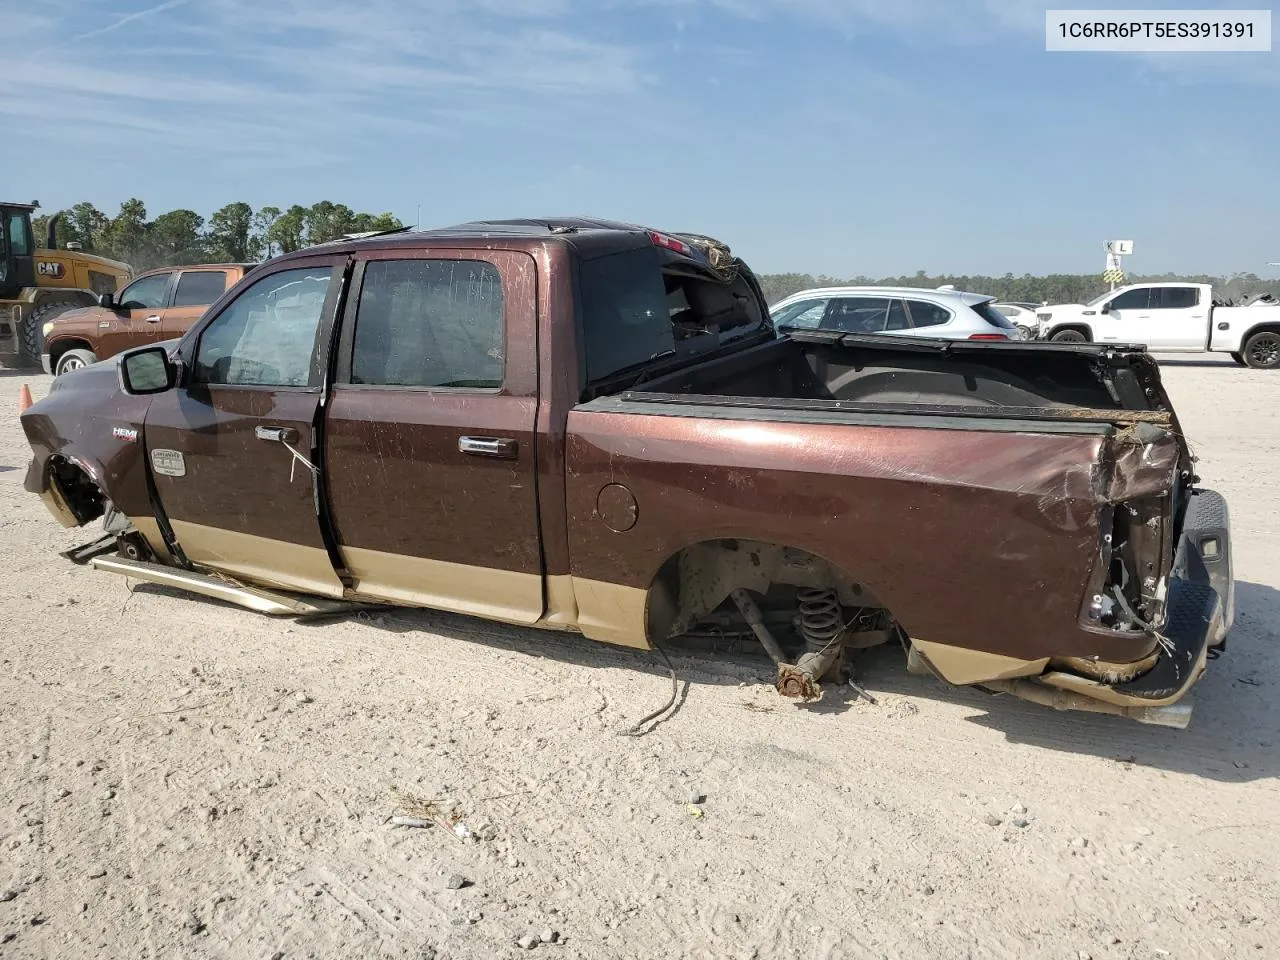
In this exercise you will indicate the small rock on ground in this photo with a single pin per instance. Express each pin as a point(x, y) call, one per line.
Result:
point(527, 942)
point(991, 820)
point(457, 881)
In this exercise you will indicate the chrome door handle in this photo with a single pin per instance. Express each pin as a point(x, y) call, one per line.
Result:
point(154, 318)
point(276, 434)
point(502, 447)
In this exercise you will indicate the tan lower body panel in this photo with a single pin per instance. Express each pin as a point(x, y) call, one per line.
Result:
point(961, 666)
point(602, 611)
point(612, 613)
point(55, 503)
point(562, 606)
point(460, 587)
point(290, 566)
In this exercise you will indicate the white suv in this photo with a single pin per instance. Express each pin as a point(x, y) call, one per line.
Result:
point(901, 311)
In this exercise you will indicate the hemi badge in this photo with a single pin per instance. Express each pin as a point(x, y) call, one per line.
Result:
point(127, 434)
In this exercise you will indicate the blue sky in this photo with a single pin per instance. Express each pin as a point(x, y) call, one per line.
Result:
point(840, 136)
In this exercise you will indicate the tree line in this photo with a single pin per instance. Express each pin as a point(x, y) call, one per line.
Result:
point(235, 233)
point(1054, 288)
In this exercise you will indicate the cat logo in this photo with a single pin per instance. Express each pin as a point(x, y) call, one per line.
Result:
point(50, 268)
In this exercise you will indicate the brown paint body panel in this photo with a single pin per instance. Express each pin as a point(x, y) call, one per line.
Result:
point(977, 539)
point(399, 484)
point(78, 425)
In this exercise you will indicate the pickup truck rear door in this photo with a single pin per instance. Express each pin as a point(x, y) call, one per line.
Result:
point(231, 446)
point(195, 291)
point(1179, 320)
point(429, 439)
point(137, 317)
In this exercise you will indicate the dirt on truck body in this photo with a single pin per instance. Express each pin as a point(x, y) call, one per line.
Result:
point(590, 426)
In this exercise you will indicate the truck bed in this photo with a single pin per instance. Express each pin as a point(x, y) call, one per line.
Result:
point(991, 540)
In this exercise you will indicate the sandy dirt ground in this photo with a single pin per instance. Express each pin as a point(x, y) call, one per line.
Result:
point(184, 779)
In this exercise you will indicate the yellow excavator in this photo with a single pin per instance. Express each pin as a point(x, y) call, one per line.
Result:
point(39, 281)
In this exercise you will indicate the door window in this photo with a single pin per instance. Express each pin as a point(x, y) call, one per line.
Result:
point(1132, 299)
point(429, 323)
point(803, 315)
point(199, 288)
point(267, 335)
point(857, 315)
point(1174, 298)
point(925, 314)
point(146, 293)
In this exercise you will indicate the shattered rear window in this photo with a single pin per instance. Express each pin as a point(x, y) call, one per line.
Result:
point(625, 319)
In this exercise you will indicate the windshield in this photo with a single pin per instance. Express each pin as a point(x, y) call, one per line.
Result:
point(641, 305)
point(1099, 298)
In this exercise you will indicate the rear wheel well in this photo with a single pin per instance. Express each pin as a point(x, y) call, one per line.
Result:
point(1081, 328)
point(1256, 351)
point(695, 584)
point(1269, 327)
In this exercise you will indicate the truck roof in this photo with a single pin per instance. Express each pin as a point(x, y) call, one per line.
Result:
point(589, 235)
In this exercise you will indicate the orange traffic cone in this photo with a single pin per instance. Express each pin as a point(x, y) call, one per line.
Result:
point(24, 398)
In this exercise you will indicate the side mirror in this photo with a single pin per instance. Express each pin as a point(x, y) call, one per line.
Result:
point(107, 300)
point(1106, 308)
point(146, 370)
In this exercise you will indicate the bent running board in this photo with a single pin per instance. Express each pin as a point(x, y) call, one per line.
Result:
point(271, 603)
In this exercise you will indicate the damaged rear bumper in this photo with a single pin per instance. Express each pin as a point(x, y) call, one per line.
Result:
point(1200, 610)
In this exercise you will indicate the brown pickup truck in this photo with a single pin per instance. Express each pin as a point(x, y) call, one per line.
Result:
point(590, 426)
point(157, 306)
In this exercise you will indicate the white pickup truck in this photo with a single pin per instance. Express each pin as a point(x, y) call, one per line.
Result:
point(1170, 318)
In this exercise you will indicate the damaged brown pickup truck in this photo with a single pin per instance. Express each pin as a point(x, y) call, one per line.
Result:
point(591, 426)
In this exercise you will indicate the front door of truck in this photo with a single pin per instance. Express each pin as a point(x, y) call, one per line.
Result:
point(430, 460)
point(231, 446)
point(136, 319)
point(1127, 319)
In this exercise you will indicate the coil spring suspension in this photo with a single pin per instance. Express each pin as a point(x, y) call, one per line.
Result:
point(821, 618)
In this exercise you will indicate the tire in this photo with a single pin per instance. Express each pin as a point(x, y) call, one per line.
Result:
point(1027, 332)
point(74, 360)
point(1239, 358)
point(1069, 336)
point(1262, 350)
point(30, 339)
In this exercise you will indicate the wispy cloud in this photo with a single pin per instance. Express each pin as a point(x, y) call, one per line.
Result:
point(281, 73)
point(117, 24)
point(239, 79)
